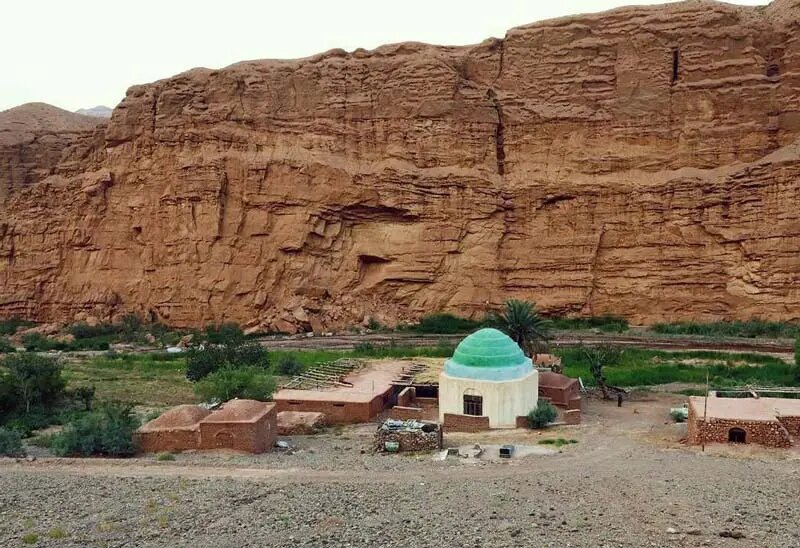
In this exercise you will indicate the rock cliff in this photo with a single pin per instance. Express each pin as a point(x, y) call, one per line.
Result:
point(641, 162)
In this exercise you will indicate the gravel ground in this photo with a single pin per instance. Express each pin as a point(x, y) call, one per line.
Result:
point(621, 485)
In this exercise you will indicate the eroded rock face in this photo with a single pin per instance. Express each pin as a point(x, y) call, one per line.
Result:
point(641, 162)
point(34, 139)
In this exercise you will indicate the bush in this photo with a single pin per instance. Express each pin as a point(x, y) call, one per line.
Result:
point(678, 415)
point(797, 351)
point(251, 383)
point(11, 443)
point(6, 347)
point(542, 415)
point(107, 431)
point(83, 394)
point(11, 325)
point(363, 348)
point(289, 366)
point(229, 334)
point(749, 329)
point(607, 324)
point(165, 456)
point(202, 361)
point(445, 324)
point(85, 331)
point(36, 381)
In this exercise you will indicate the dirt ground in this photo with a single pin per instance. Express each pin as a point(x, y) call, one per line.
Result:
point(626, 482)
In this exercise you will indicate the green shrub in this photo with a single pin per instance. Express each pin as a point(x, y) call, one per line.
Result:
point(36, 380)
point(11, 325)
point(289, 366)
point(678, 415)
point(363, 348)
point(107, 431)
point(542, 415)
point(608, 324)
point(30, 538)
point(25, 423)
point(749, 329)
point(83, 330)
point(229, 334)
point(6, 347)
point(797, 351)
point(165, 456)
point(251, 383)
point(83, 394)
point(11, 443)
point(202, 361)
point(444, 323)
point(558, 442)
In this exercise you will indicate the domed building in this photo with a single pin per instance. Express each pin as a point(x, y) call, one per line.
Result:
point(488, 376)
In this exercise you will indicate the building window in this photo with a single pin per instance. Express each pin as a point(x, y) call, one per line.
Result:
point(473, 405)
point(737, 435)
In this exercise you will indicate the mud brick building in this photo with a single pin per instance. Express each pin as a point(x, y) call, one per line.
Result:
point(772, 422)
point(241, 425)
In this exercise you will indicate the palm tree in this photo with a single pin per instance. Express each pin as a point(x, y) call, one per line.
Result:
point(598, 357)
point(520, 321)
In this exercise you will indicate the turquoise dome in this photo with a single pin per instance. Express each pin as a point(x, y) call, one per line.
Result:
point(488, 354)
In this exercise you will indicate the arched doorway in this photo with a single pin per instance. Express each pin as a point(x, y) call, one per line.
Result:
point(737, 435)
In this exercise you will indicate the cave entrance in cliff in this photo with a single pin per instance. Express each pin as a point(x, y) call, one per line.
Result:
point(675, 65)
point(737, 435)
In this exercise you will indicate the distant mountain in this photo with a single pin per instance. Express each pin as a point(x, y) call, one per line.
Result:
point(100, 111)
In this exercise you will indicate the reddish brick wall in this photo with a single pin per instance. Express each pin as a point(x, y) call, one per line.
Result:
point(464, 423)
point(405, 413)
point(711, 430)
point(572, 416)
point(253, 437)
point(178, 439)
point(522, 421)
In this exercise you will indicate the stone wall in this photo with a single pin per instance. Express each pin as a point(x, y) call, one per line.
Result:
point(714, 430)
point(792, 425)
point(464, 423)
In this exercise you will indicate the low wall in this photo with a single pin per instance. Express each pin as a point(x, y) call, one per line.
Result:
point(406, 396)
point(405, 413)
point(464, 423)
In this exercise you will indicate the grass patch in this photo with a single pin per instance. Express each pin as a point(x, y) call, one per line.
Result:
point(445, 324)
point(56, 532)
point(748, 329)
point(642, 367)
point(165, 457)
point(30, 538)
point(557, 442)
point(607, 324)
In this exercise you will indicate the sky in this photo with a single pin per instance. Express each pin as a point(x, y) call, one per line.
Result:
point(82, 53)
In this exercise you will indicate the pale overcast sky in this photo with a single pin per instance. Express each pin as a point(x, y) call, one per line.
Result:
point(82, 53)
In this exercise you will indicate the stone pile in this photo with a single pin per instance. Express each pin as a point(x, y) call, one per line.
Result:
point(411, 435)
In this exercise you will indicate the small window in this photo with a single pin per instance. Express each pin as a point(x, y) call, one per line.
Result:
point(473, 405)
point(338, 405)
point(737, 435)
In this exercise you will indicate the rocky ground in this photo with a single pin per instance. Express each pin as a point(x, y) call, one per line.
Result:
point(625, 483)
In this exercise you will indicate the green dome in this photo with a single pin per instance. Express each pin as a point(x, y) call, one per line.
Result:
point(488, 348)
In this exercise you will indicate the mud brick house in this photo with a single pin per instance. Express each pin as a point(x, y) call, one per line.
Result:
point(357, 397)
point(772, 422)
point(241, 425)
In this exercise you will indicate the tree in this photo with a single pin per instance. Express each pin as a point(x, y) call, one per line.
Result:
point(37, 379)
point(598, 357)
point(520, 321)
point(250, 383)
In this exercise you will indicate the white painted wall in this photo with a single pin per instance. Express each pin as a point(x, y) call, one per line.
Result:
point(503, 401)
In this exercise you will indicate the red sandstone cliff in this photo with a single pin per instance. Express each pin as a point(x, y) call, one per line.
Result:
point(641, 162)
